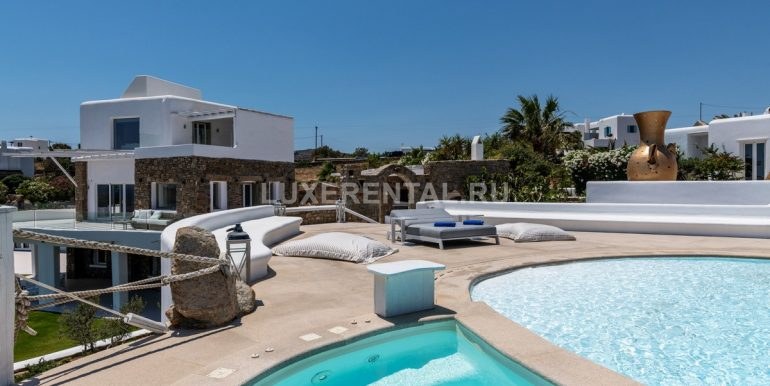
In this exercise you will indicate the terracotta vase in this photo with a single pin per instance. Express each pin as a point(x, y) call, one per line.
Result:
point(652, 160)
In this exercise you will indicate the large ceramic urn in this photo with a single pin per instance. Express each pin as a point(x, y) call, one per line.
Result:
point(652, 160)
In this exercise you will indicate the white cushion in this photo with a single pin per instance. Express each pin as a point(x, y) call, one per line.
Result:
point(156, 215)
point(142, 214)
point(521, 232)
point(337, 246)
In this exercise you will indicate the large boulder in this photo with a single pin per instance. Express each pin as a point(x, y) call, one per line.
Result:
point(205, 301)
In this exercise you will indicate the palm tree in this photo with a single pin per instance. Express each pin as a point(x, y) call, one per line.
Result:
point(541, 126)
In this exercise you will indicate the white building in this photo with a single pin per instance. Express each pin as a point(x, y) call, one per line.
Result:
point(617, 130)
point(12, 164)
point(744, 136)
point(166, 148)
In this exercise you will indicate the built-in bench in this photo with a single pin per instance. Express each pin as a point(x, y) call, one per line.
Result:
point(677, 219)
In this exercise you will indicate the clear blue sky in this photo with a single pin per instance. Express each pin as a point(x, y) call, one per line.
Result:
point(381, 73)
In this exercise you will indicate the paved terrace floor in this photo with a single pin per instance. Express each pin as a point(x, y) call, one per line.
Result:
point(307, 296)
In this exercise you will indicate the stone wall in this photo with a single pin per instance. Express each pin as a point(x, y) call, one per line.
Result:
point(454, 173)
point(81, 192)
point(193, 175)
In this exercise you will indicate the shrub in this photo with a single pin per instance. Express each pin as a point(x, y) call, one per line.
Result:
point(63, 189)
point(78, 324)
point(114, 329)
point(3, 193)
point(597, 165)
point(715, 165)
point(13, 181)
point(37, 190)
point(326, 170)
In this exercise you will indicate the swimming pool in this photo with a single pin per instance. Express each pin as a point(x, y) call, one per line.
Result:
point(660, 321)
point(436, 353)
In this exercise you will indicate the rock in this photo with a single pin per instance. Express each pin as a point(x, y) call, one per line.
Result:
point(246, 299)
point(205, 301)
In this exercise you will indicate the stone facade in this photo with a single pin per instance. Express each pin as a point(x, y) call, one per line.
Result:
point(193, 175)
point(454, 173)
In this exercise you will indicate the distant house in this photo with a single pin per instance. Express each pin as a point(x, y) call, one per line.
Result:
point(9, 164)
point(615, 131)
point(745, 136)
point(166, 148)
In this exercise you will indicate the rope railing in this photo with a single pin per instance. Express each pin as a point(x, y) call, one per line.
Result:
point(58, 297)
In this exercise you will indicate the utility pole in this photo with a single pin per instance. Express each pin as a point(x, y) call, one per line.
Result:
point(316, 137)
point(700, 111)
point(322, 140)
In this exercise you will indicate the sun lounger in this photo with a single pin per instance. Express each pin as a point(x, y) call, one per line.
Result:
point(421, 225)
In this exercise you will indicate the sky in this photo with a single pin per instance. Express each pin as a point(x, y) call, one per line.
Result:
point(381, 74)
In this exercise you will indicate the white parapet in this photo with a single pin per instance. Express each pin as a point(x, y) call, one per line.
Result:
point(7, 295)
point(263, 227)
point(679, 192)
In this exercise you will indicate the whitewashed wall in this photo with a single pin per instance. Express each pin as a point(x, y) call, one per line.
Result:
point(119, 171)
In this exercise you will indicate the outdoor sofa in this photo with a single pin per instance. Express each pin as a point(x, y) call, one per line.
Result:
point(152, 219)
point(424, 225)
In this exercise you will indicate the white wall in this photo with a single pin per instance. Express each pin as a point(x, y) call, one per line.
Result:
point(264, 136)
point(731, 134)
point(119, 171)
point(255, 135)
point(688, 139)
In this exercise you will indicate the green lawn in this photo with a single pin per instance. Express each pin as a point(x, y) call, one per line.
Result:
point(46, 341)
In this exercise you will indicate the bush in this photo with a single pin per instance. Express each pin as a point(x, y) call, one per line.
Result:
point(79, 325)
point(326, 170)
point(63, 189)
point(416, 156)
point(114, 329)
point(3, 193)
point(715, 165)
point(532, 178)
point(597, 165)
point(37, 190)
point(13, 181)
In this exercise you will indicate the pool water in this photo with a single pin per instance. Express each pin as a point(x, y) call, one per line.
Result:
point(660, 321)
point(437, 353)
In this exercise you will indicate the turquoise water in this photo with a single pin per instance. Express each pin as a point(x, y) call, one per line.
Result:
point(660, 321)
point(438, 353)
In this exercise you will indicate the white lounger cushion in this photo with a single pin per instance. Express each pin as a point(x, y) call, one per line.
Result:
point(522, 232)
point(337, 246)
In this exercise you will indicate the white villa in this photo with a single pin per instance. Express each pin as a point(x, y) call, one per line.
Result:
point(614, 131)
point(10, 164)
point(164, 147)
point(744, 136)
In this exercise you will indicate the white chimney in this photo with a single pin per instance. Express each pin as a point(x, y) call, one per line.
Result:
point(477, 149)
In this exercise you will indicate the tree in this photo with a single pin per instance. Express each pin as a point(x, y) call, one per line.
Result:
point(416, 156)
point(3, 193)
point(326, 170)
point(13, 181)
point(63, 189)
point(114, 329)
point(361, 152)
point(36, 190)
point(541, 126)
point(79, 325)
point(327, 152)
point(452, 148)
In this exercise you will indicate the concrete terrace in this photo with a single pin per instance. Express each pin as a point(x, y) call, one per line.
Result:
point(311, 296)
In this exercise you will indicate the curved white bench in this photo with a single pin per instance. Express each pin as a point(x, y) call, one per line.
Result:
point(263, 227)
point(675, 219)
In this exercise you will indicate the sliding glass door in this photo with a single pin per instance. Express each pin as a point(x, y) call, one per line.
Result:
point(114, 201)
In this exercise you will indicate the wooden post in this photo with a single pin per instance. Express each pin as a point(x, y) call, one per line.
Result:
point(7, 297)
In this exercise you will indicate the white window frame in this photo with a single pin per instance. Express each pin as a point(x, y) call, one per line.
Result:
point(753, 142)
point(221, 188)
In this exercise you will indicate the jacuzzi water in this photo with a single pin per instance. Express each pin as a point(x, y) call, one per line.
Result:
point(660, 321)
point(439, 353)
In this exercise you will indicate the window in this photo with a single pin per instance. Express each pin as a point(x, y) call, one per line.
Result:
point(607, 131)
point(631, 129)
point(250, 195)
point(218, 195)
point(99, 259)
point(202, 133)
point(165, 196)
point(754, 161)
point(22, 247)
point(125, 133)
point(114, 200)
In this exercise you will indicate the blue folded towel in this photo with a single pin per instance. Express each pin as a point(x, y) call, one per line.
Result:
point(444, 224)
point(473, 222)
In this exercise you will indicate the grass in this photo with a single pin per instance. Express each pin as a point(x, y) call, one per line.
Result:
point(46, 341)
